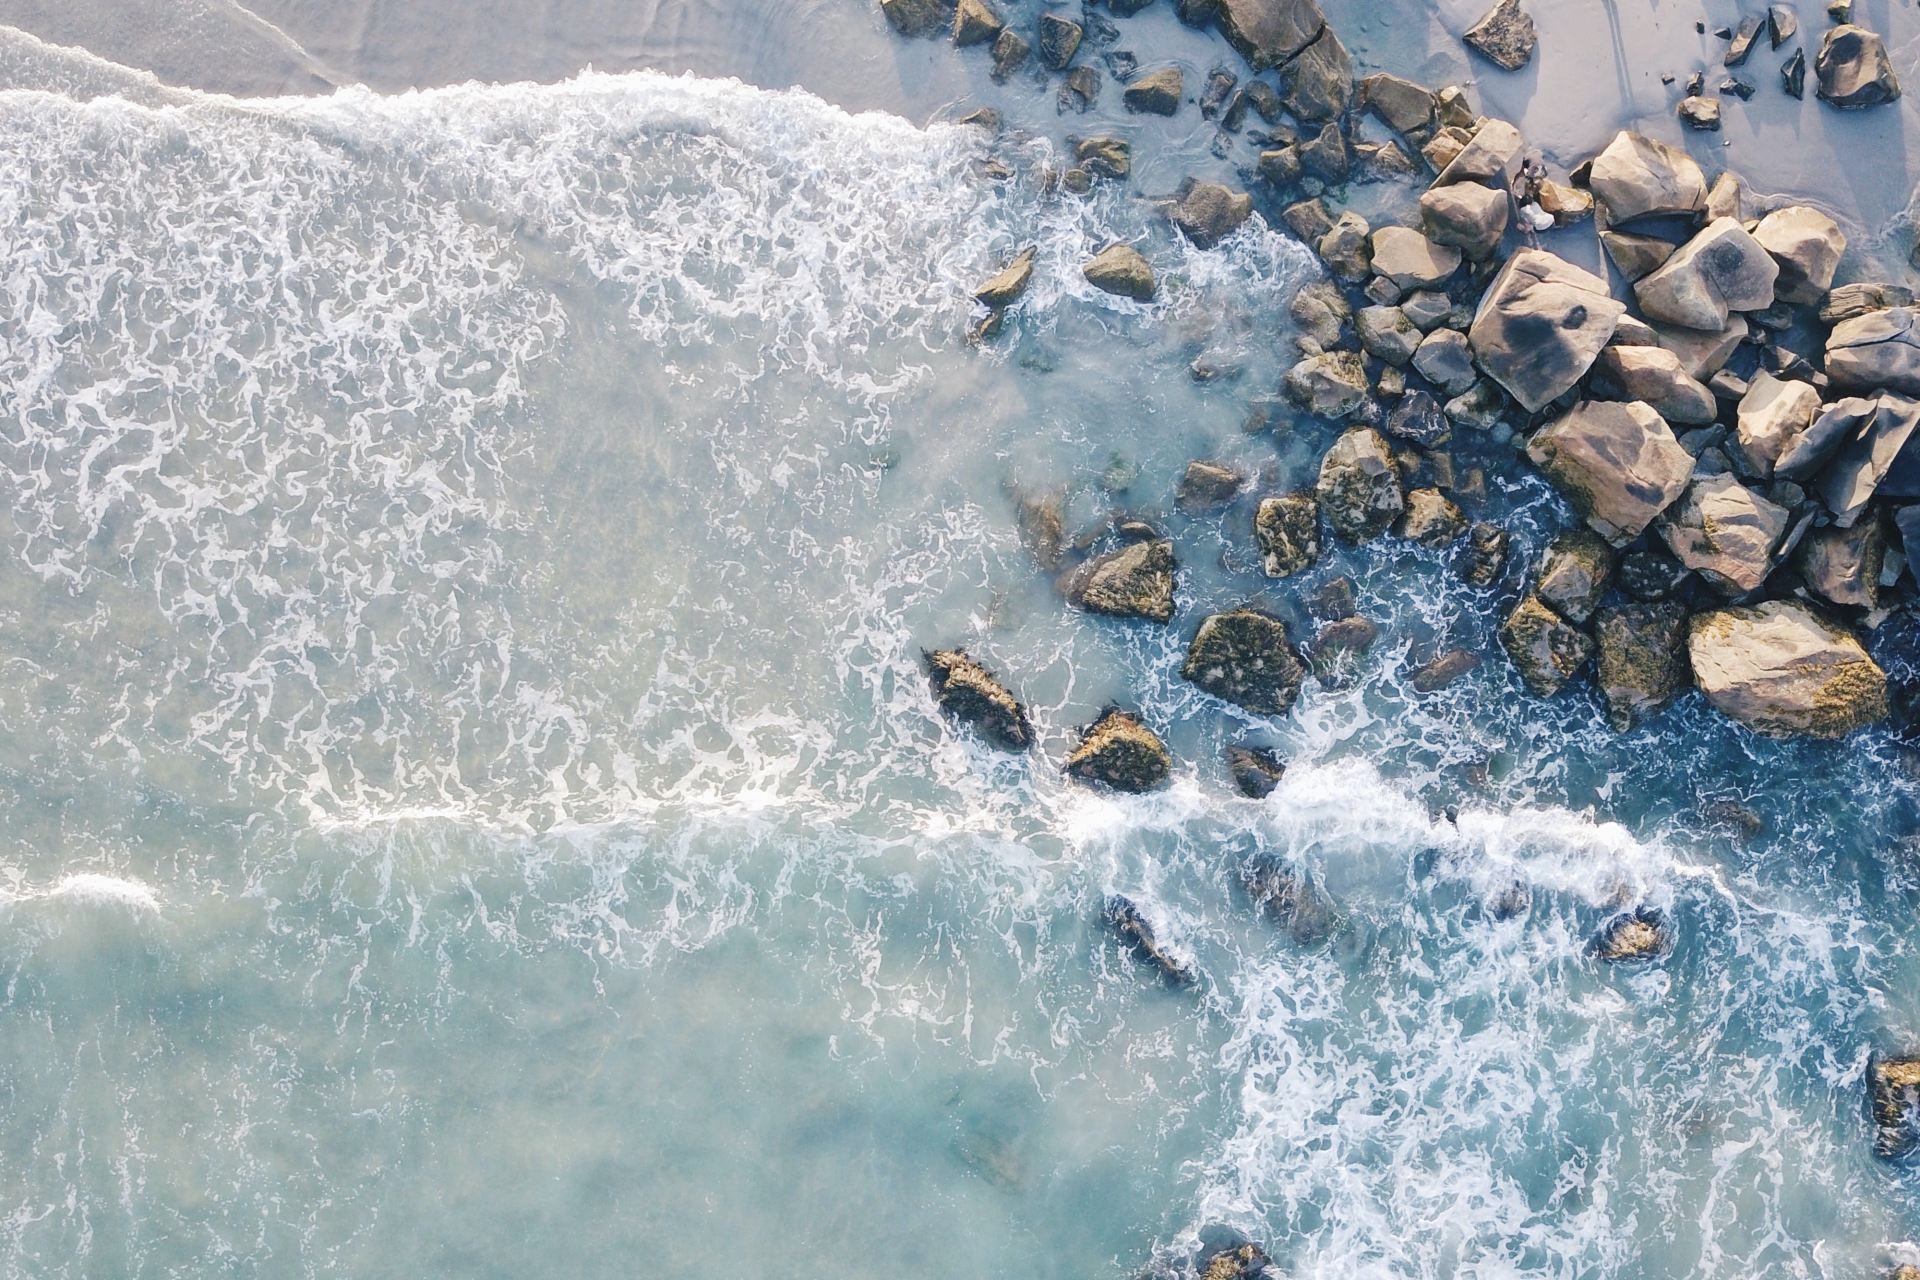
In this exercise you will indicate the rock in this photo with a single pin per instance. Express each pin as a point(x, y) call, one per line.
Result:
point(1642, 659)
point(1105, 157)
point(1403, 106)
point(1041, 527)
point(1565, 205)
point(1310, 221)
point(1243, 656)
point(1653, 375)
point(1216, 92)
point(1616, 463)
point(1419, 420)
point(1854, 70)
point(1289, 899)
point(1270, 33)
point(1431, 519)
point(1322, 312)
point(1238, 1263)
point(1492, 157)
point(1783, 669)
point(1010, 283)
point(1329, 385)
point(1348, 248)
point(1721, 269)
point(1772, 414)
point(1326, 156)
point(1478, 408)
point(1725, 198)
point(1703, 351)
point(1288, 531)
point(1135, 930)
point(1280, 166)
point(1256, 771)
point(1545, 649)
point(1875, 350)
point(1636, 176)
point(1843, 565)
point(1698, 111)
point(1573, 573)
point(1386, 334)
point(1208, 213)
point(1636, 256)
point(1851, 301)
point(1793, 74)
point(1359, 488)
point(1725, 532)
point(1806, 245)
point(1337, 649)
point(1504, 35)
point(1133, 582)
point(1428, 309)
point(1467, 216)
point(1059, 40)
point(1861, 463)
point(1156, 93)
point(1742, 43)
point(1118, 751)
point(1205, 485)
point(1079, 89)
point(1119, 269)
point(915, 17)
point(1444, 670)
point(975, 22)
point(1782, 23)
point(1648, 573)
point(1893, 1084)
point(1806, 454)
point(1485, 554)
point(1320, 80)
point(1445, 147)
point(968, 692)
point(1637, 935)
point(1445, 358)
point(1540, 325)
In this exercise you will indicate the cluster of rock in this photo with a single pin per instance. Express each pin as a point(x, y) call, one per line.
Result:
point(1852, 69)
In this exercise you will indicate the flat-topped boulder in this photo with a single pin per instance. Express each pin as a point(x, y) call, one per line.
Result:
point(1876, 350)
point(1772, 414)
point(1133, 582)
point(1119, 752)
point(1616, 462)
point(1360, 489)
point(1655, 376)
point(966, 691)
point(1637, 175)
point(1785, 670)
point(1245, 657)
point(1409, 260)
point(1468, 216)
point(1807, 246)
point(1120, 269)
point(1725, 532)
point(1540, 326)
point(1270, 33)
point(1721, 270)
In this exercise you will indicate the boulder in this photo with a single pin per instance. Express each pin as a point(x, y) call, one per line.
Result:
point(1725, 198)
point(1431, 519)
point(1843, 565)
point(1468, 216)
point(1618, 464)
point(1773, 414)
point(1573, 573)
point(968, 692)
point(1504, 35)
point(1540, 325)
point(1320, 81)
point(1337, 648)
point(915, 17)
point(1133, 582)
point(1403, 106)
point(1347, 247)
point(1478, 408)
point(1329, 385)
point(1419, 420)
point(1155, 93)
point(1059, 40)
point(1120, 270)
point(1118, 751)
point(1653, 375)
point(1703, 352)
point(1445, 358)
point(1637, 175)
point(1546, 649)
point(1809, 452)
point(1491, 157)
point(1721, 269)
point(1206, 485)
point(1806, 245)
point(1137, 933)
point(1861, 463)
point(1699, 111)
point(1010, 283)
point(1851, 301)
point(1270, 33)
point(1451, 666)
point(975, 22)
point(1359, 488)
point(1635, 935)
point(1636, 256)
point(1409, 260)
point(1893, 1085)
point(1854, 70)
point(1104, 156)
point(1207, 213)
point(1327, 155)
point(1386, 334)
point(1725, 532)
point(1256, 771)
point(1010, 52)
point(1564, 204)
point(1485, 555)
point(1322, 312)
point(1783, 669)
point(1642, 659)
point(1880, 349)
point(1244, 657)
point(1288, 531)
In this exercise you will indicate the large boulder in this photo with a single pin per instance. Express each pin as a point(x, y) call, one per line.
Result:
point(1725, 532)
point(1785, 670)
point(1445, 358)
point(1411, 261)
point(1547, 650)
point(1270, 33)
point(1642, 658)
point(1387, 335)
point(1288, 530)
point(1807, 245)
point(968, 692)
point(1118, 751)
point(1842, 565)
point(1208, 213)
point(1320, 81)
point(1329, 385)
point(1360, 490)
point(1703, 352)
point(1893, 1087)
point(1637, 175)
point(1133, 582)
point(1773, 413)
point(1854, 69)
point(1403, 106)
point(1880, 349)
point(1808, 453)
point(1245, 657)
point(1492, 156)
point(1656, 376)
point(1573, 573)
point(1618, 464)
point(1540, 326)
point(1119, 269)
point(1467, 215)
point(1860, 464)
point(1722, 269)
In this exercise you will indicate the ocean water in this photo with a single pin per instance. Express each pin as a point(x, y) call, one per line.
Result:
point(470, 804)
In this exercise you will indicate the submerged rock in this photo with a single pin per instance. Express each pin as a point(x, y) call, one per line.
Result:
point(1546, 649)
point(1893, 1086)
point(1504, 35)
point(1244, 657)
point(1205, 485)
point(1118, 751)
point(1485, 555)
point(1289, 899)
point(1256, 771)
point(1618, 464)
point(1237, 1263)
point(1637, 935)
point(1360, 488)
point(1288, 530)
point(1010, 53)
point(968, 692)
point(1133, 582)
point(1137, 932)
point(1119, 269)
point(1444, 670)
point(1540, 326)
point(1842, 565)
point(1642, 659)
point(1854, 70)
point(1784, 670)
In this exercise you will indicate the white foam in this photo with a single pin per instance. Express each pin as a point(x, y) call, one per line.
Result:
point(99, 891)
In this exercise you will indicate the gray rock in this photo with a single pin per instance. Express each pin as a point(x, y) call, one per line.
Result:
point(1243, 656)
point(1270, 33)
point(915, 17)
point(1743, 38)
point(1854, 70)
point(1875, 350)
point(1478, 408)
point(1309, 220)
point(1417, 418)
point(1280, 166)
point(1386, 334)
point(968, 692)
point(1403, 106)
point(1843, 565)
point(1119, 269)
point(1618, 464)
point(1427, 308)
point(1504, 35)
point(1806, 244)
point(1348, 248)
point(1574, 571)
point(1445, 358)
point(1726, 198)
point(1725, 532)
point(1851, 301)
point(1256, 771)
point(1793, 74)
point(1642, 659)
point(1468, 216)
point(1359, 487)
point(1636, 256)
point(1701, 112)
point(1862, 462)
point(1702, 352)
point(1327, 156)
point(1647, 573)
point(1540, 326)
point(1636, 176)
point(1208, 213)
point(1059, 40)
point(1722, 269)
point(1544, 647)
point(1411, 261)
point(1288, 531)
point(1106, 157)
point(1484, 557)
point(1785, 670)
point(1491, 157)
point(1010, 53)
point(1133, 582)
point(1134, 929)
point(975, 22)
point(1431, 519)
point(1772, 414)
point(1010, 283)
point(1653, 375)
point(1320, 81)
point(1155, 93)
point(1330, 385)
point(1835, 424)
point(1118, 751)
point(1206, 485)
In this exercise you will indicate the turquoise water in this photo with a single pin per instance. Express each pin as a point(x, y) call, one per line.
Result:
point(471, 806)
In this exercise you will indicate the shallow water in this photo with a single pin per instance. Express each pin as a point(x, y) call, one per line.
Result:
point(472, 806)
